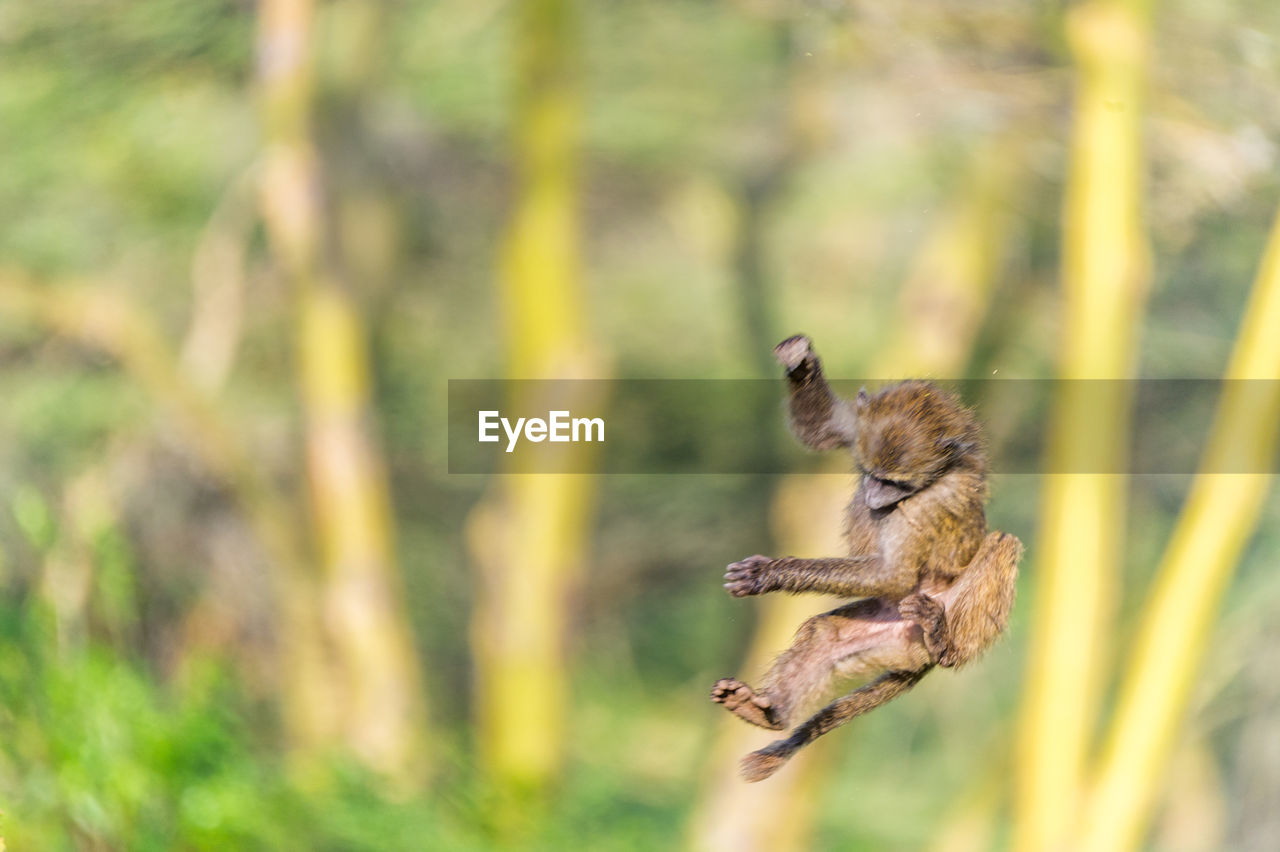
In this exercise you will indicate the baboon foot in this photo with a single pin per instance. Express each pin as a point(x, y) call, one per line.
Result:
point(929, 614)
point(923, 610)
point(742, 701)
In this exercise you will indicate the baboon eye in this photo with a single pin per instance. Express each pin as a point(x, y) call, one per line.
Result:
point(904, 484)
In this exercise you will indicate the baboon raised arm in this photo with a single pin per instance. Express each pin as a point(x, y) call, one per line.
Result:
point(820, 419)
point(936, 587)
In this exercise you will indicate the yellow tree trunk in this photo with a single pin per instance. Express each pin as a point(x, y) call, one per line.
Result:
point(1220, 515)
point(528, 538)
point(375, 699)
point(1078, 550)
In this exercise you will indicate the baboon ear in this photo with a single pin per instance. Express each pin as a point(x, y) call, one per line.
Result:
point(862, 399)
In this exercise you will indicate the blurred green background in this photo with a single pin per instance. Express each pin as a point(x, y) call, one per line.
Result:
point(245, 245)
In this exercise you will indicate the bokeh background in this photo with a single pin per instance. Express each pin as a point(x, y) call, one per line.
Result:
point(244, 245)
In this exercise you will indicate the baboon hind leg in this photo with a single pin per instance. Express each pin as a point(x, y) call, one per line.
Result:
point(978, 605)
point(761, 764)
point(799, 672)
point(827, 647)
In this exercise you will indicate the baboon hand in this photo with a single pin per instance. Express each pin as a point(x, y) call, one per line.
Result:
point(793, 352)
point(747, 577)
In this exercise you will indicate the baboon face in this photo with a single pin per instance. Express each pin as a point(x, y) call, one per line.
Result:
point(909, 435)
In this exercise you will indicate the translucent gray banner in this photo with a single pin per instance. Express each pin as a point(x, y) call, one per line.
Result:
point(680, 426)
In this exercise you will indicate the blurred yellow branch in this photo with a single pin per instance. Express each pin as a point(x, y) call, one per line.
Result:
point(376, 705)
point(1105, 272)
point(1220, 515)
point(540, 265)
point(218, 285)
point(528, 538)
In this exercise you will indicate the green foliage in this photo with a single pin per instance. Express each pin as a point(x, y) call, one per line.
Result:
point(96, 753)
point(105, 754)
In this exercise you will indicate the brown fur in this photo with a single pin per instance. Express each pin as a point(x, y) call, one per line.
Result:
point(937, 588)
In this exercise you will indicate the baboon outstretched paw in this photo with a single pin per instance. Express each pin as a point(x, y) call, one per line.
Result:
point(747, 576)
